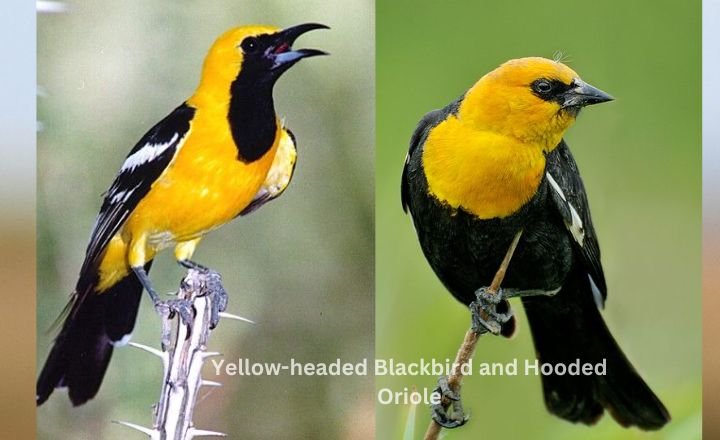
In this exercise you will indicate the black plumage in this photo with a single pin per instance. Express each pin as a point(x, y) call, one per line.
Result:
point(97, 321)
point(83, 348)
point(556, 250)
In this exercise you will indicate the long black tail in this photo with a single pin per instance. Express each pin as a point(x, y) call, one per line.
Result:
point(81, 352)
point(569, 326)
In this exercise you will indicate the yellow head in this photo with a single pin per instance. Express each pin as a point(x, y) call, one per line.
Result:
point(531, 99)
point(260, 53)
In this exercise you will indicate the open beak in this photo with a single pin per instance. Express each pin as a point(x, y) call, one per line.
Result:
point(584, 94)
point(281, 51)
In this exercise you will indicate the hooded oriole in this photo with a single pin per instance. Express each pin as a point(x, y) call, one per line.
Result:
point(220, 154)
point(490, 164)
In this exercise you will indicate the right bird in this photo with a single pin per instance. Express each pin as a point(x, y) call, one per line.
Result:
point(491, 164)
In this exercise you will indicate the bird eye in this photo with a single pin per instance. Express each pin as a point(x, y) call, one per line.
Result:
point(542, 86)
point(249, 45)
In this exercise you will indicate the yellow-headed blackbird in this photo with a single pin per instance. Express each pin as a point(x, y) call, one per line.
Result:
point(222, 153)
point(493, 163)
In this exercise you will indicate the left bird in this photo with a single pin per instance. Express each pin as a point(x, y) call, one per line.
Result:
point(222, 153)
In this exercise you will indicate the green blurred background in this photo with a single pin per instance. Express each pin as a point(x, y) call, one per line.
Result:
point(301, 267)
point(640, 157)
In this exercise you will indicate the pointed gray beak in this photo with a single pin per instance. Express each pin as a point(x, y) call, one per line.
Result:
point(584, 94)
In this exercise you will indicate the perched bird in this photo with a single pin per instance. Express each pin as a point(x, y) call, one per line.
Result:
point(493, 163)
point(222, 153)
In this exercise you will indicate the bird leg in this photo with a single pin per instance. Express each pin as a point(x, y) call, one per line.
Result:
point(213, 287)
point(453, 418)
point(189, 264)
point(168, 308)
point(485, 315)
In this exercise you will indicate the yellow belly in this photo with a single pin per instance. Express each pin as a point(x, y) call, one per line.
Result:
point(197, 194)
point(205, 187)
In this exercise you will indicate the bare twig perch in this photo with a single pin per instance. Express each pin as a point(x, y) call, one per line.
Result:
point(467, 348)
point(185, 351)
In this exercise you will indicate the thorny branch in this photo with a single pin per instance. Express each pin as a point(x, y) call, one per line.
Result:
point(184, 352)
point(467, 348)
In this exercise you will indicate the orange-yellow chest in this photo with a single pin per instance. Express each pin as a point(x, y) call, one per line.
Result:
point(205, 186)
point(486, 174)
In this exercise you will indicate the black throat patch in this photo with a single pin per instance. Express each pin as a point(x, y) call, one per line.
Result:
point(252, 114)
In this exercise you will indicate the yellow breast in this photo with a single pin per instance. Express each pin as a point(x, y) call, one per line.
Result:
point(486, 174)
point(204, 187)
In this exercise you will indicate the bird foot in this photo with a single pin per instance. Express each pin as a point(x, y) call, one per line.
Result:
point(453, 418)
point(213, 287)
point(218, 295)
point(167, 310)
point(485, 315)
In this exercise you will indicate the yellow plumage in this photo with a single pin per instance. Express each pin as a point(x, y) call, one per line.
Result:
point(489, 158)
point(220, 154)
point(205, 186)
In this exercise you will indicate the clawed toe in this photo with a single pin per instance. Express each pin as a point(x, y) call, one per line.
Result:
point(182, 307)
point(485, 317)
point(218, 296)
point(168, 309)
point(453, 416)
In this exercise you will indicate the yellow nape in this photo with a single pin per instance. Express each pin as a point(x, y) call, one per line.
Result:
point(222, 64)
point(503, 102)
point(486, 174)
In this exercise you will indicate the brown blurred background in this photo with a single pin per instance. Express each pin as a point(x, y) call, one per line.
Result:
point(17, 220)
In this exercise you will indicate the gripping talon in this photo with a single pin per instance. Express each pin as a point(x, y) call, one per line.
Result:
point(167, 310)
point(182, 307)
point(485, 317)
point(443, 387)
point(440, 416)
point(489, 297)
point(456, 417)
point(218, 297)
point(213, 288)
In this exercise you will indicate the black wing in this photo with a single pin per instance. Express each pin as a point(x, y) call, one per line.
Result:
point(142, 167)
point(568, 193)
point(418, 138)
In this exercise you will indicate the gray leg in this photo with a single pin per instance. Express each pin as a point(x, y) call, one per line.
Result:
point(189, 264)
point(517, 293)
point(169, 308)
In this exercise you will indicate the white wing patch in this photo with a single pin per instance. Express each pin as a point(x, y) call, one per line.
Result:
point(122, 196)
point(575, 226)
point(146, 154)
